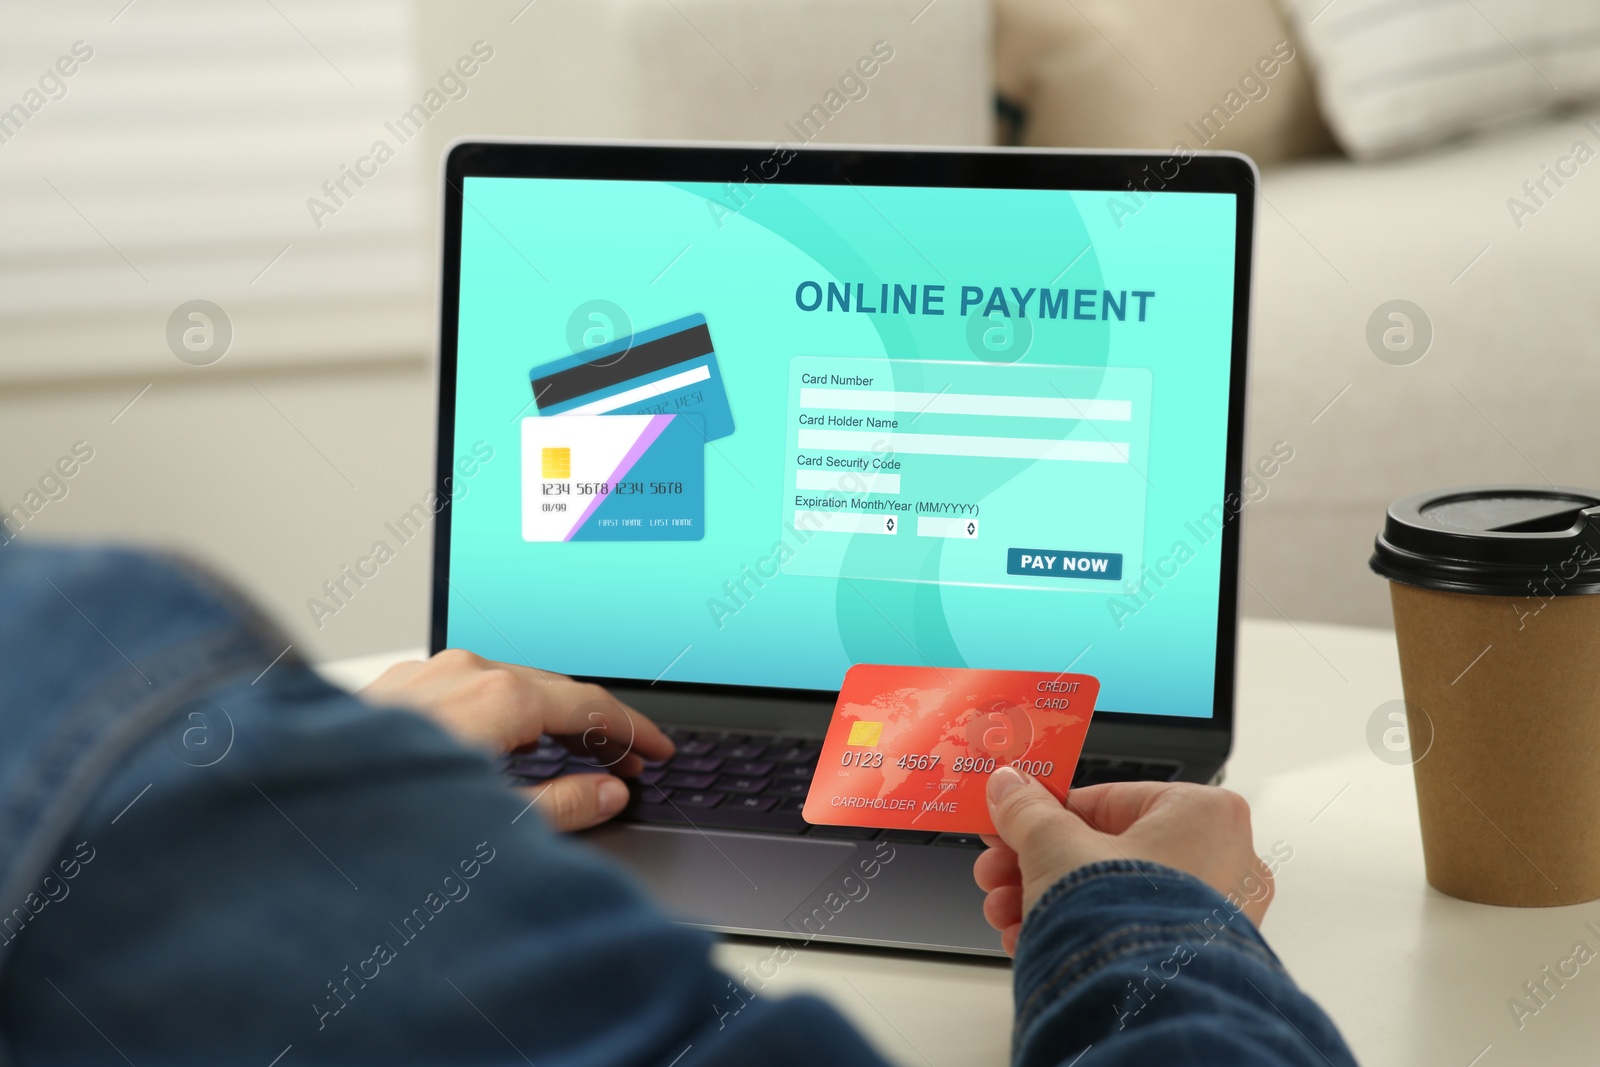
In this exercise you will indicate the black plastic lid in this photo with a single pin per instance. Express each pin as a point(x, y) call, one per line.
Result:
point(1496, 540)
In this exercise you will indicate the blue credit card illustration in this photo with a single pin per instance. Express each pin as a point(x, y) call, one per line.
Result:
point(669, 369)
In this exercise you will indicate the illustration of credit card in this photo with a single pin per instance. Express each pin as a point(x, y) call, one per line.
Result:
point(613, 478)
point(912, 748)
point(666, 370)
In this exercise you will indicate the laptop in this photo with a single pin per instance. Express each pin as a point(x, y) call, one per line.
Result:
point(717, 422)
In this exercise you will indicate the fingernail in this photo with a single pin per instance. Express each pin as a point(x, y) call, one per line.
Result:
point(1002, 782)
point(613, 796)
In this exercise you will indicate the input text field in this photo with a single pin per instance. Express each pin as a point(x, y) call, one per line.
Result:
point(947, 526)
point(847, 481)
point(1035, 407)
point(946, 444)
point(846, 522)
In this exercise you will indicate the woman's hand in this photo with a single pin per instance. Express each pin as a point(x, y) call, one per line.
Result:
point(1195, 828)
point(502, 707)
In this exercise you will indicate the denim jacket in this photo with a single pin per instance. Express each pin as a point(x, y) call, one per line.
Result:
point(209, 855)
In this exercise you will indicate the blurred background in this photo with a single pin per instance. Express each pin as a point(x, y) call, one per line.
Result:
point(217, 227)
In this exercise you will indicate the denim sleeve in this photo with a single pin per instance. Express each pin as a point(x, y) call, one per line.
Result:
point(279, 874)
point(344, 885)
point(1136, 963)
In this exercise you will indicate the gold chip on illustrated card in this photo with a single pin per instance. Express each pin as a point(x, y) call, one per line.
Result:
point(555, 462)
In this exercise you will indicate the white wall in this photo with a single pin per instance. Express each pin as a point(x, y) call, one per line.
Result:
point(277, 479)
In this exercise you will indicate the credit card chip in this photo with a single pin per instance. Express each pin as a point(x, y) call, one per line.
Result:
point(555, 462)
point(865, 734)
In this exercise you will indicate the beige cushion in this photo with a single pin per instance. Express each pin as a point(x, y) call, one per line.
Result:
point(1223, 74)
point(1394, 76)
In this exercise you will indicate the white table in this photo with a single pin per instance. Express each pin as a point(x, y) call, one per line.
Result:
point(1411, 977)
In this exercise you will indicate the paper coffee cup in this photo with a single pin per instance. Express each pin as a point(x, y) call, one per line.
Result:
point(1499, 636)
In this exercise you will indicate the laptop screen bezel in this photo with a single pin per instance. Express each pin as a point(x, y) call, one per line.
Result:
point(996, 168)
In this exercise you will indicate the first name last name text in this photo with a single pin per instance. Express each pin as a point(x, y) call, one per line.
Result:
point(883, 298)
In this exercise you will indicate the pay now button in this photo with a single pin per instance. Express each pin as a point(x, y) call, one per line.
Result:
point(1063, 563)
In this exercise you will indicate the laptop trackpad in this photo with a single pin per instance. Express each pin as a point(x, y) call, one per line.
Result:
point(730, 880)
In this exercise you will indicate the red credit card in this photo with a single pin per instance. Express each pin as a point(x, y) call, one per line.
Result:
point(912, 748)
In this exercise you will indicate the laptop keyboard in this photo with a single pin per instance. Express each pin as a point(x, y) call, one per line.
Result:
point(728, 780)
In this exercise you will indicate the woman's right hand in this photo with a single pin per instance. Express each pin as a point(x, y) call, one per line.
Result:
point(1203, 830)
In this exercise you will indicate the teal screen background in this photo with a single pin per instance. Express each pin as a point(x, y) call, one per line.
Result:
point(533, 251)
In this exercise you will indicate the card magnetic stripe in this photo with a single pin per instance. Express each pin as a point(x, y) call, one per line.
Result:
point(625, 361)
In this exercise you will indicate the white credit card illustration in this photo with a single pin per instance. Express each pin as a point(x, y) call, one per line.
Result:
point(612, 478)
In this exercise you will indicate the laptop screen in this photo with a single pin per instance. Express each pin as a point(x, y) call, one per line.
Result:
point(752, 435)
